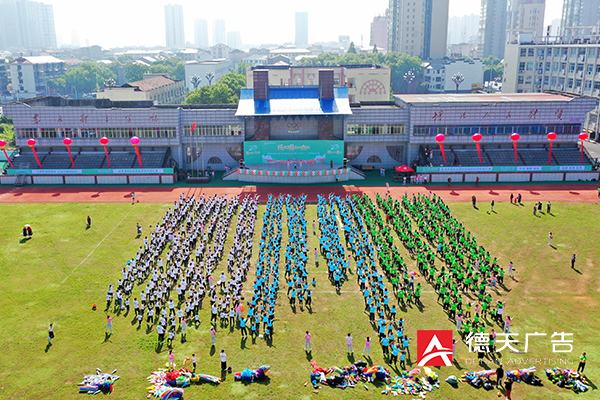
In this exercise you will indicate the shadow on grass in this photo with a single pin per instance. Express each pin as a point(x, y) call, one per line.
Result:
point(309, 356)
point(212, 350)
point(107, 337)
point(47, 347)
point(576, 270)
point(351, 358)
point(25, 240)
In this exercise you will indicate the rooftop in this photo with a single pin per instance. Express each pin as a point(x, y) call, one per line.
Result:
point(290, 100)
point(37, 60)
point(146, 85)
point(422, 99)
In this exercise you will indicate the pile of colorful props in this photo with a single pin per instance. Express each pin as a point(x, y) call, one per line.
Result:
point(248, 375)
point(525, 375)
point(169, 384)
point(569, 379)
point(410, 383)
point(479, 379)
point(99, 383)
point(348, 376)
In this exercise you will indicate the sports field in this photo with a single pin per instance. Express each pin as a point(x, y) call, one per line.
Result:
point(58, 274)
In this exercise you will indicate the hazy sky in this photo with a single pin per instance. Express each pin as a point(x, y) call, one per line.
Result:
point(112, 23)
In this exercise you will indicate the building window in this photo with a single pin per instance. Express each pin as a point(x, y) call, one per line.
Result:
point(523, 52)
point(375, 129)
point(588, 85)
point(520, 79)
point(214, 130)
point(571, 67)
point(570, 83)
point(215, 160)
point(374, 160)
point(530, 52)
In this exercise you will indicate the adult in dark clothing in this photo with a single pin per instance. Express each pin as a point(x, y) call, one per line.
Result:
point(499, 375)
point(508, 388)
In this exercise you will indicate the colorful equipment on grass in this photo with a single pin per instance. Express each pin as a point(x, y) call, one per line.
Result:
point(248, 375)
point(410, 383)
point(99, 383)
point(568, 379)
point(348, 376)
point(169, 384)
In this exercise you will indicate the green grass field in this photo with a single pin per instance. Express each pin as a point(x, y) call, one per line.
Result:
point(58, 274)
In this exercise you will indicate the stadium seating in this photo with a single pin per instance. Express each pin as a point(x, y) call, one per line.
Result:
point(27, 161)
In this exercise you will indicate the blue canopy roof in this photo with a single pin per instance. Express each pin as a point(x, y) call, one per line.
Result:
point(290, 100)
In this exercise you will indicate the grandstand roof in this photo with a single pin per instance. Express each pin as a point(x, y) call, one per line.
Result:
point(294, 100)
point(423, 99)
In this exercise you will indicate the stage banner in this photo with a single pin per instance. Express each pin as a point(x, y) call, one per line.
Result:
point(294, 151)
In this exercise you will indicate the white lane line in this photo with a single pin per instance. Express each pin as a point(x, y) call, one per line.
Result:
point(98, 245)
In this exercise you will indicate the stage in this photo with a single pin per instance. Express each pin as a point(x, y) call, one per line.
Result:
point(293, 173)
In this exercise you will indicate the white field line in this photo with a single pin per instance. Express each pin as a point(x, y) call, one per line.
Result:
point(98, 245)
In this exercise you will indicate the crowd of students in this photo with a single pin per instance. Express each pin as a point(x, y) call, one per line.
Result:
point(191, 238)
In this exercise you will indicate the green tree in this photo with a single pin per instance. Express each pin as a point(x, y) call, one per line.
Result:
point(85, 78)
point(351, 49)
point(7, 132)
point(173, 67)
point(375, 49)
point(235, 82)
point(135, 72)
point(493, 68)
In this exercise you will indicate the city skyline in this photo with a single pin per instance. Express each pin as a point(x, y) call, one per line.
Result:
point(238, 16)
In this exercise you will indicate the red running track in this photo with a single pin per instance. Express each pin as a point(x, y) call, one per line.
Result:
point(557, 193)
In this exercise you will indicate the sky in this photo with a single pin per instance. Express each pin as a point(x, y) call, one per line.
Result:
point(113, 23)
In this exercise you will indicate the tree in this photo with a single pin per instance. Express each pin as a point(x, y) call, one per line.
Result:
point(173, 67)
point(235, 82)
point(351, 49)
point(135, 72)
point(493, 68)
point(375, 49)
point(85, 78)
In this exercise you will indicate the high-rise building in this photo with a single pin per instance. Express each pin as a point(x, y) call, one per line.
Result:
point(201, 33)
point(579, 13)
point(174, 26)
point(463, 29)
point(418, 28)
point(492, 28)
point(525, 16)
point(234, 39)
point(26, 24)
point(301, 29)
point(379, 35)
point(219, 32)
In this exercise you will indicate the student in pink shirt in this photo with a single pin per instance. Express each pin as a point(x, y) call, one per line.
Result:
point(307, 345)
point(171, 360)
point(108, 324)
point(507, 322)
point(213, 335)
point(367, 347)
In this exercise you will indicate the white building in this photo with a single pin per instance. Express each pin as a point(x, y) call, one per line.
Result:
point(418, 28)
point(577, 14)
point(379, 34)
point(492, 29)
point(234, 40)
point(201, 33)
point(301, 29)
point(525, 16)
point(462, 29)
point(29, 75)
point(218, 68)
point(26, 24)
point(174, 26)
point(438, 75)
point(568, 66)
point(219, 32)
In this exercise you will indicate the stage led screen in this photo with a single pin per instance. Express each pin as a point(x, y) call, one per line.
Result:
point(284, 151)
